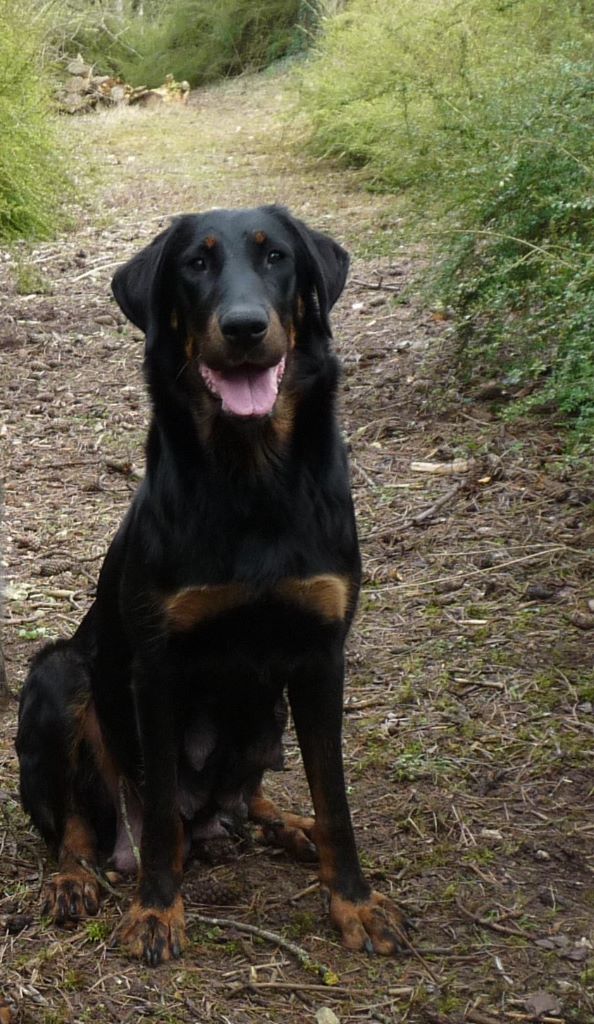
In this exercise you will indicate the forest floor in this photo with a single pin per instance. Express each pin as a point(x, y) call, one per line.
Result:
point(469, 724)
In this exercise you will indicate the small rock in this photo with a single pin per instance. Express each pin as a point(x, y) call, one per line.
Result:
point(118, 94)
point(77, 84)
point(582, 621)
point(542, 855)
point(541, 1003)
point(78, 67)
point(489, 391)
point(578, 954)
point(539, 592)
point(16, 923)
point(326, 1016)
point(491, 833)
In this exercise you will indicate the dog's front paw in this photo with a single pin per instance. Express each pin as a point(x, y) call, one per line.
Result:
point(153, 934)
point(69, 896)
point(375, 925)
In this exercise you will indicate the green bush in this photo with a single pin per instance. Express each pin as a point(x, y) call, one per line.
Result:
point(32, 179)
point(196, 40)
point(522, 283)
point(484, 113)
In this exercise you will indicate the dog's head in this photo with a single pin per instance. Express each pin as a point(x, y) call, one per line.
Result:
point(230, 295)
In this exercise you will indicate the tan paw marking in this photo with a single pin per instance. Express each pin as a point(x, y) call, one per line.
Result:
point(71, 895)
point(153, 934)
point(377, 925)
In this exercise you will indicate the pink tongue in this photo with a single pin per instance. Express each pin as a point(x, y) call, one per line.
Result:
point(248, 391)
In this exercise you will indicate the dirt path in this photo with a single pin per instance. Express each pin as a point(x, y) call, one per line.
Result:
point(470, 707)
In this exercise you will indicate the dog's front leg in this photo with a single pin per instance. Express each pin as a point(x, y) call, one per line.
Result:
point(366, 919)
point(153, 928)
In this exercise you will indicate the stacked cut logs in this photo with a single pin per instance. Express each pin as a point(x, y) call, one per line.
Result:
point(84, 91)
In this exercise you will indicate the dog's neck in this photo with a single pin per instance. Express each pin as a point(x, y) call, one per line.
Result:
point(201, 439)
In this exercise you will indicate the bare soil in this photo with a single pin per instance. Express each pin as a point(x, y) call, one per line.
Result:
point(469, 724)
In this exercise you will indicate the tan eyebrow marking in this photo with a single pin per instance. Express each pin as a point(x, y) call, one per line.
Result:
point(210, 241)
point(260, 237)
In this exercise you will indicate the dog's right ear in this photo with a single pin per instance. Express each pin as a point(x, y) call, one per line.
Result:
point(135, 284)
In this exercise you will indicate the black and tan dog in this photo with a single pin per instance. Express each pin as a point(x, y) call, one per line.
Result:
point(232, 581)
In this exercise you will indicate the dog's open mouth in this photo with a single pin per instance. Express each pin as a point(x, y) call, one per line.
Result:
point(246, 390)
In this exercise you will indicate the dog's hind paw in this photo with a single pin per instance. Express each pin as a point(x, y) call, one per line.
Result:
point(293, 834)
point(376, 925)
point(71, 895)
point(286, 831)
point(153, 934)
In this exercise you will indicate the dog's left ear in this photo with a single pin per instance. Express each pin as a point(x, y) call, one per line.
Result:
point(134, 283)
point(333, 267)
point(326, 261)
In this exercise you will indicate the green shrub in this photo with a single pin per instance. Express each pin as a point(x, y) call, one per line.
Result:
point(32, 179)
point(522, 283)
point(483, 112)
point(196, 40)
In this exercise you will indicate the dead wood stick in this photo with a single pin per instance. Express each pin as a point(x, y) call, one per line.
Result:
point(235, 987)
point(126, 820)
point(95, 268)
point(484, 922)
point(476, 1017)
point(443, 468)
point(530, 1017)
point(376, 286)
point(472, 572)
point(327, 976)
point(414, 952)
point(445, 498)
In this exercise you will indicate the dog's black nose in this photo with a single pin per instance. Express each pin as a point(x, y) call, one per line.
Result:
point(244, 327)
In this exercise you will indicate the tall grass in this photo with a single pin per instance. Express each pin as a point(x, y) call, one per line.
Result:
point(32, 177)
point(196, 40)
point(484, 113)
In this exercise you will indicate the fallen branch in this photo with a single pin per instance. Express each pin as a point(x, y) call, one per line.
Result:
point(328, 977)
point(126, 820)
point(494, 926)
point(471, 572)
point(376, 286)
point(445, 498)
point(443, 468)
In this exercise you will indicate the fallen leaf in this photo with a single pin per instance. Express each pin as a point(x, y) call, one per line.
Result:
point(539, 1003)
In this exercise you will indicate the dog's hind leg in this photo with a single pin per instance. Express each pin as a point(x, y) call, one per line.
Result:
point(73, 891)
point(61, 784)
point(288, 831)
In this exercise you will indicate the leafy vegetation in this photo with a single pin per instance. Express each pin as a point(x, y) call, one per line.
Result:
point(484, 113)
point(32, 178)
point(195, 40)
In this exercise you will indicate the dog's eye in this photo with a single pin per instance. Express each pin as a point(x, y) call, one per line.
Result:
point(274, 256)
point(198, 264)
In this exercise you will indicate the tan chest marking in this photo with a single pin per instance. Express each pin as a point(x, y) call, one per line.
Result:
point(192, 605)
point(325, 595)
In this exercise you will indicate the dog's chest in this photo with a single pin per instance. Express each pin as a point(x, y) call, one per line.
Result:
point(325, 597)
